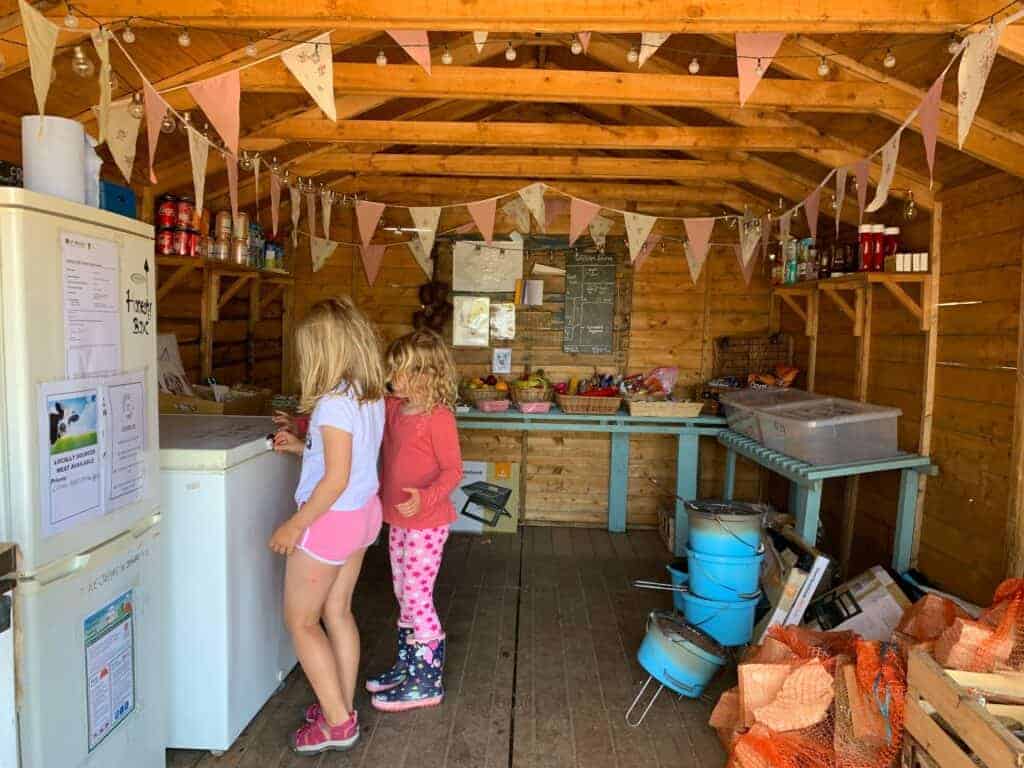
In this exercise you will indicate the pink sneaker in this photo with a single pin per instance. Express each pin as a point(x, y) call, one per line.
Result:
point(312, 713)
point(318, 737)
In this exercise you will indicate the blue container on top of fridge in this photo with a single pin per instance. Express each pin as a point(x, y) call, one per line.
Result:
point(727, 528)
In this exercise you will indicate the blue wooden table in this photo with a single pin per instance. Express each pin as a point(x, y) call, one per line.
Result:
point(805, 482)
point(620, 426)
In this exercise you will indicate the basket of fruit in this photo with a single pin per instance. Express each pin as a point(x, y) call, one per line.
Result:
point(596, 396)
point(531, 388)
point(477, 390)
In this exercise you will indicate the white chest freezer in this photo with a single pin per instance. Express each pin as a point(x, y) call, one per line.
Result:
point(223, 494)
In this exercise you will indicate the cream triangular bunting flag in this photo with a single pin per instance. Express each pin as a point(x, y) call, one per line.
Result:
point(516, 210)
point(638, 227)
point(123, 137)
point(320, 250)
point(890, 153)
point(41, 38)
point(479, 40)
point(199, 152)
point(421, 256)
point(101, 43)
point(326, 206)
point(533, 197)
point(599, 228)
point(841, 175)
point(312, 63)
point(979, 53)
point(296, 210)
point(649, 43)
point(425, 220)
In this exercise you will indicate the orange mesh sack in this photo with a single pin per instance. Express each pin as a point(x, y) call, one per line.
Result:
point(762, 748)
point(929, 617)
point(992, 642)
point(870, 699)
point(812, 644)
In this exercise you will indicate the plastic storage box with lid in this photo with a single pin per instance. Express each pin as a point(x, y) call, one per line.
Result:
point(741, 406)
point(831, 431)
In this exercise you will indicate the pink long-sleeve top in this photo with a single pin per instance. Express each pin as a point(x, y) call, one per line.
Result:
point(420, 450)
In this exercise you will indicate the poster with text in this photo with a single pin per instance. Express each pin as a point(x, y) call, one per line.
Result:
point(126, 405)
point(109, 667)
point(92, 328)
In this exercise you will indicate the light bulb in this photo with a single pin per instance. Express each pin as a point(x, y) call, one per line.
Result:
point(71, 21)
point(910, 207)
point(954, 45)
point(246, 162)
point(114, 82)
point(510, 52)
point(186, 122)
point(81, 64)
point(251, 50)
point(633, 55)
point(446, 56)
point(759, 67)
point(382, 60)
point(823, 67)
point(694, 67)
point(128, 35)
point(185, 39)
point(576, 47)
point(137, 109)
point(167, 124)
point(890, 59)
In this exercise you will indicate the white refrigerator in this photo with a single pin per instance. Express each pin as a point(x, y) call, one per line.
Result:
point(223, 493)
point(79, 487)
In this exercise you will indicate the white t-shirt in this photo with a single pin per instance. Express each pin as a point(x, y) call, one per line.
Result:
point(365, 422)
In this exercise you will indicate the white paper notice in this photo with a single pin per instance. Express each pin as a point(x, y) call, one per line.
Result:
point(110, 667)
point(533, 293)
point(501, 361)
point(70, 461)
point(126, 404)
point(92, 329)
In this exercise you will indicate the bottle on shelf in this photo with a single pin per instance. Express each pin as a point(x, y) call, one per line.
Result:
point(866, 248)
point(790, 274)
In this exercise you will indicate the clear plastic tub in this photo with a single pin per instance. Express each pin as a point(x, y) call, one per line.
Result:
point(741, 406)
point(831, 430)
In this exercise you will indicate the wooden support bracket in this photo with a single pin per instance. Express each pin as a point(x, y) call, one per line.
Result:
point(272, 295)
point(854, 313)
point(176, 279)
point(907, 301)
point(230, 293)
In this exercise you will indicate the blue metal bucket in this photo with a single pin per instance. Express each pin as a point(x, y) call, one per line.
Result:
point(730, 623)
point(727, 528)
point(730, 579)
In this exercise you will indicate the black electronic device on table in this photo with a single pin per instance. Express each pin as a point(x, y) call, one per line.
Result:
point(486, 496)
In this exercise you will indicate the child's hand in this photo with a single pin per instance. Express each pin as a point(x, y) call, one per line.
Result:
point(283, 421)
point(285, 538)
point(412, 506)
point(286, 442)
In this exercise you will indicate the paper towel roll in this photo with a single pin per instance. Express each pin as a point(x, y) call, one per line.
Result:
point(54, 158)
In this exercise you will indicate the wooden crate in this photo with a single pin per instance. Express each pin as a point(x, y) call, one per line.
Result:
point(949, 727)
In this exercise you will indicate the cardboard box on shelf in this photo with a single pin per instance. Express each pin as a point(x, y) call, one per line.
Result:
point(870, 604)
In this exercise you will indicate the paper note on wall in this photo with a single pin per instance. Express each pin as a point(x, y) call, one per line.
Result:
point(92, 329)
point(126, 404)
point(109, 667)
point(471, 321)
point(487, 268)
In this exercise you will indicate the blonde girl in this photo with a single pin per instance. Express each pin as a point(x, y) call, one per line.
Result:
point(420, 466)
point(338, 511)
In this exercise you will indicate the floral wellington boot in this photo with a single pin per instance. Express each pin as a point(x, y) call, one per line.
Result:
point(422, 686)
point(395, 676)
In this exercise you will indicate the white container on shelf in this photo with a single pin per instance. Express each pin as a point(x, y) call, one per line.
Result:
point(831, 431)
point(742, 406)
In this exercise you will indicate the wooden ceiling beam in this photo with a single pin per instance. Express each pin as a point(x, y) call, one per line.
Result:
point(539, 135)
point(575, 86)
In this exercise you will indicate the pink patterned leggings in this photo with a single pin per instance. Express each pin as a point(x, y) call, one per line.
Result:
point(415, 560)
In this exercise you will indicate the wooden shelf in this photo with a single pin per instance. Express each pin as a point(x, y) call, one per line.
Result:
point(225, 267)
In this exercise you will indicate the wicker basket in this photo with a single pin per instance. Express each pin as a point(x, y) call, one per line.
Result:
point(674, 409)
point(755, 353)
point(581, 405)
point(474, 396)
point(530, 394)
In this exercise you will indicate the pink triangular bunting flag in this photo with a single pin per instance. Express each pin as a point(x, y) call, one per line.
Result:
point(860, 172)
point(698, 232)
point(156, 108)
point(483, 215)
point(218, 97)
point(811, 205)
point(373, 255)
point(415, 43)
point(584, 38)
point(754, 53)
point(231, 162)
point(646, 250)
point(928, 114)
point(368, 217)
point(275, 201)
point(581, 213)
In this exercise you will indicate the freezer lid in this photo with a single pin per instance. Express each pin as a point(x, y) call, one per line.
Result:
point(205, 442)
point(15, 197)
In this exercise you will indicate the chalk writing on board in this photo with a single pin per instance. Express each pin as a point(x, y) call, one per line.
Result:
point(589, 303)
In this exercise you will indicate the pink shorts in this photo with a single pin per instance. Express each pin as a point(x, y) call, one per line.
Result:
point(337, 534)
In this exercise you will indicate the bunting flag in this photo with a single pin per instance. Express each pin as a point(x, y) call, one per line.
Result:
point(231, 163)
point(638, 228)
point(754, 54)
point(156, 108)
point(101, 43)
point(784, 223)
point(584, 38)
point(890, 152)
point(314, 69)
point(599, 228)
point(198, 152)
point(516, 210)
point(841, 174)
point(647, 249)
point(746, 268)
point(533, 197)
point(555, 208)
point(928, 115)
point(373, 255)
point(425, 220)
point(41, 38)
point(368, 217)
point(320, 250)
point(415, 43)
point(860, 171)
point(581, 213)
point(123, 136)
point(275, 202)
point(296, 210)
point(979, 53)
point(766, 235)
point(421, 256)
point(256, 182)
point(750, 236)
point(219, 98)
point(479, 40)
point(483, 212)
point(327, 206)
point(811, 204)
point(311, 212)
point(650, 42)
point(698, 234)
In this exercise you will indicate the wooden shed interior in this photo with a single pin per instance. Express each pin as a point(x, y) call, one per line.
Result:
point(944, 347)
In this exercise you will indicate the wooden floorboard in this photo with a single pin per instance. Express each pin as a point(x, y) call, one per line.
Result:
point(543, 628)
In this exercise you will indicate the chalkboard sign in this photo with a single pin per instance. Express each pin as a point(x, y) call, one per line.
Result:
point(589, 303)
